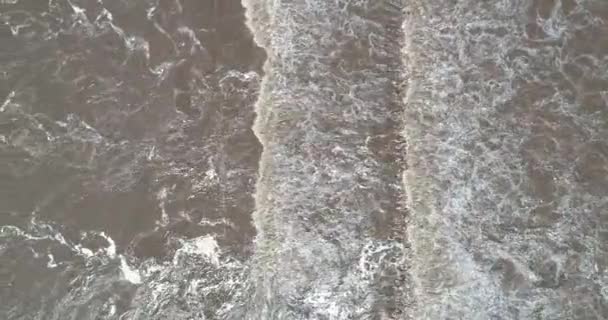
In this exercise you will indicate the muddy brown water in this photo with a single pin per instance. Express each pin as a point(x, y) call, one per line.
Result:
point(343, 159)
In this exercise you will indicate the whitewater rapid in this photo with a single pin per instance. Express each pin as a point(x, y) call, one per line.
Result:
point(494, 115)
point(391, 160)
point(507, 179)
point(329, 211)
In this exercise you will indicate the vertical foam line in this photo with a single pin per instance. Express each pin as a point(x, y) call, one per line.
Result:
point(259, 22)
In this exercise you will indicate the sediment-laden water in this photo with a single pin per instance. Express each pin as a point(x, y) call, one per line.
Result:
point(329, 211)
point(505, 118)
point(337, 159)
point(128, 159)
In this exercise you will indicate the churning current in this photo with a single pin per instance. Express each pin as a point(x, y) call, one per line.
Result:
point(303, 159)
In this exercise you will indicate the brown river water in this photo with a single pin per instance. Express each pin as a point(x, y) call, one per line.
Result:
point(303, 159)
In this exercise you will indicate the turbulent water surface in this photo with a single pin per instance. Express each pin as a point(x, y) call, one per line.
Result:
point(303, 159)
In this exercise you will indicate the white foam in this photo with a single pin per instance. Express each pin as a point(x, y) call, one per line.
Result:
point(86, 252)
point(208, 247)
point(205, 246)
point(6, 102)
point(210, 174)
point(129, 273)
point(51, 263)
point(111, 249)
point(151, 153)
point(112, 309)
point(217, 222)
